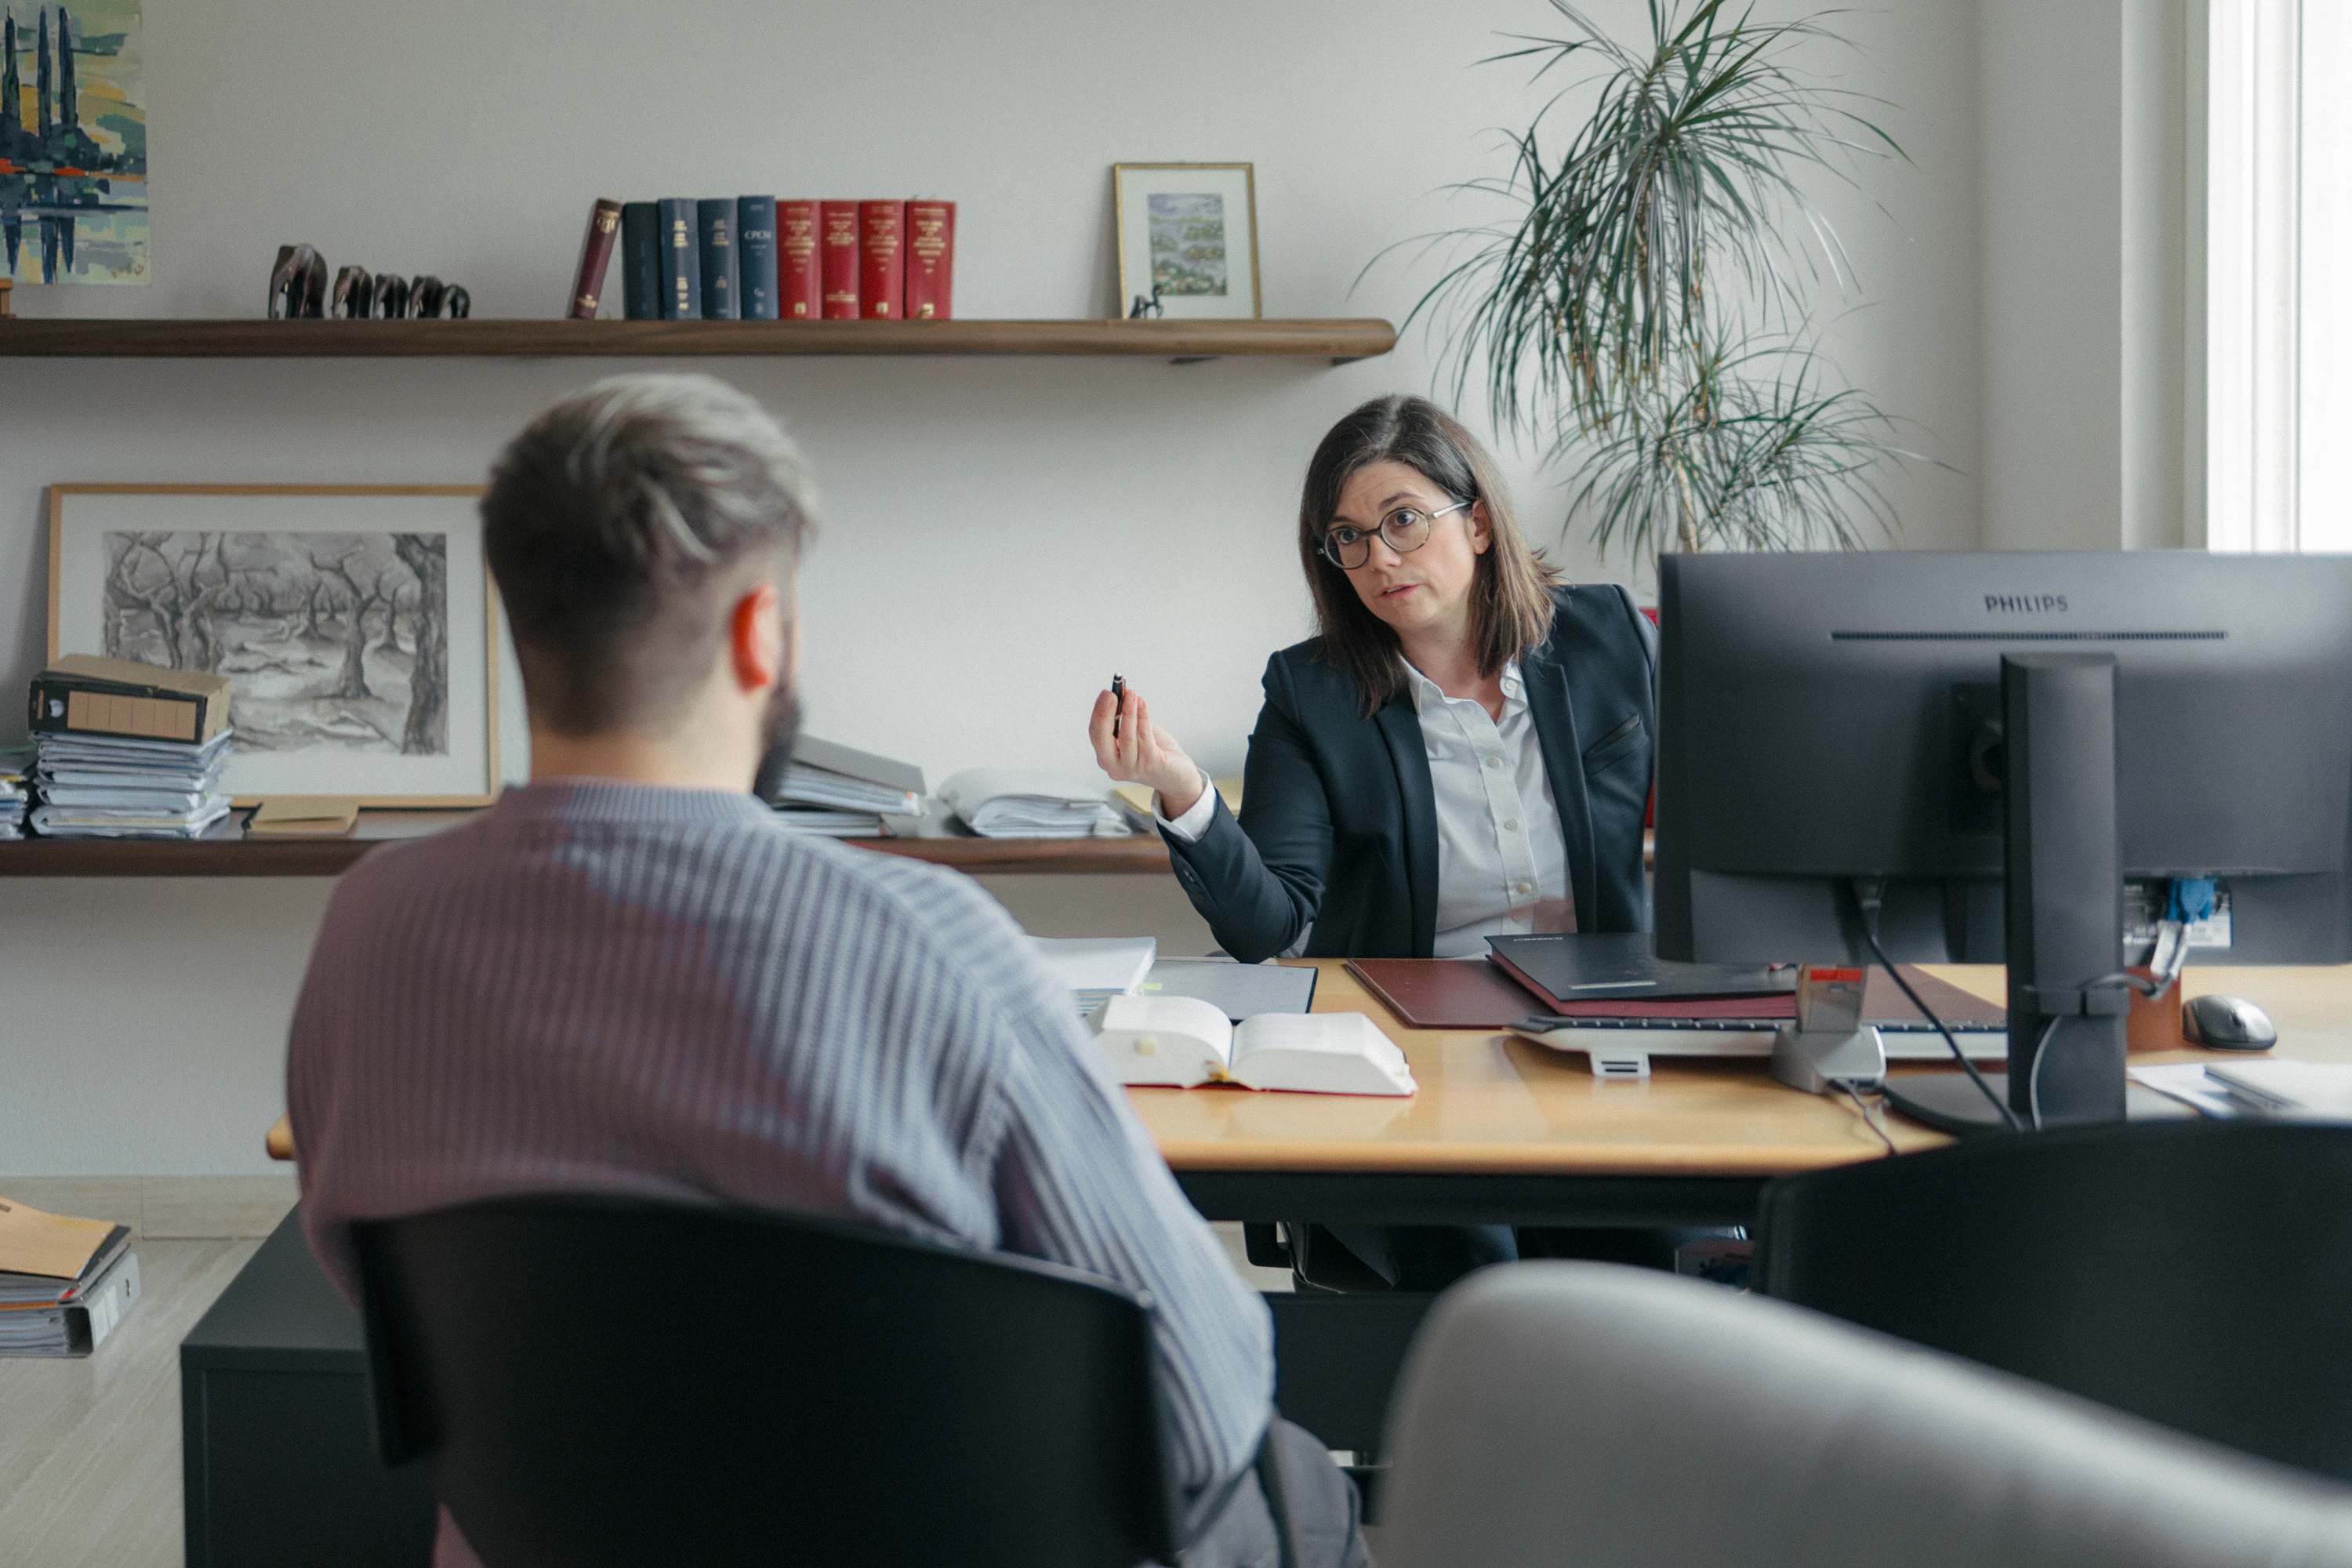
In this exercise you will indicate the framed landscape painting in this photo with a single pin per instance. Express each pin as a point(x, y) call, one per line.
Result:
point(1187, 239)
point(356, 624)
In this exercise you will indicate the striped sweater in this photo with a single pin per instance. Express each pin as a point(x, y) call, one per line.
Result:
point(634, 989)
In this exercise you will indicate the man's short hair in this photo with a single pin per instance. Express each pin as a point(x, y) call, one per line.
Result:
point(620, 525)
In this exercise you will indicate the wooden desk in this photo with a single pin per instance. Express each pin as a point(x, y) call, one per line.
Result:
point(1506, 1131)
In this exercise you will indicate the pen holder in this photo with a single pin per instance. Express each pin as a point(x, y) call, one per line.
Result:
point(2154, 1024)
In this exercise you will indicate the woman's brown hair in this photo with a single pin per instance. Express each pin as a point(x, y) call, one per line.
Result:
point(1510, 599)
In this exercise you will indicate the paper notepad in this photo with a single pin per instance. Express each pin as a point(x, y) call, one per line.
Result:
point(304, 816)
point(1180, 1042)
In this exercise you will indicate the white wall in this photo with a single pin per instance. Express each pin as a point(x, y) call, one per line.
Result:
point(1000, 536)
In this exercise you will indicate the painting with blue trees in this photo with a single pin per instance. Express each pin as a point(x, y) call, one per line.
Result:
point(73, 142)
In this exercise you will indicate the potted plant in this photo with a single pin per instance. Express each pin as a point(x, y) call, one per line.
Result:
point(1644, 316)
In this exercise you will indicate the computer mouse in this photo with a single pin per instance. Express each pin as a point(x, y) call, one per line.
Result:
point(2227, 1024)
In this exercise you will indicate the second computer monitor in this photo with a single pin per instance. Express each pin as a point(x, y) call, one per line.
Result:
point(1825, 718)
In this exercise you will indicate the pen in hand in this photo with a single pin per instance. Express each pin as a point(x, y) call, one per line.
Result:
point(1117, 699)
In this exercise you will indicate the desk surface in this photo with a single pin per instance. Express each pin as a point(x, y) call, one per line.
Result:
point(1493, 1104)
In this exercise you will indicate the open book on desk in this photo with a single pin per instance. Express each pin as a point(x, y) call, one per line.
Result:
point(1178, 1042)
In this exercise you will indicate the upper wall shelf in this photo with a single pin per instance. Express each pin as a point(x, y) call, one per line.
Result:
point(1338, 341)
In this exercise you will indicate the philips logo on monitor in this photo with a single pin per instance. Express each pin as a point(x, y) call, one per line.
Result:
point(2024, 603)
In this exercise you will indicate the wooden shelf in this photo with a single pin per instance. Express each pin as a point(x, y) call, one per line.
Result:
point(1336, 340)
point(232, 855)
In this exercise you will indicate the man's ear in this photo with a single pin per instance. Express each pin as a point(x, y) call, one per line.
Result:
point(759, 649)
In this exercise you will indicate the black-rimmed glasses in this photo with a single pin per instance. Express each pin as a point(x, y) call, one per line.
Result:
point(1403, 531)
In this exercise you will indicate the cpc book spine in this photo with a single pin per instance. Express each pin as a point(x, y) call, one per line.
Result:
point(930, 261)
point(595, 256)
point(681, 262)
point(837, 247)
point(755, 248)
point(882, 259)
point(798, 296)
point(641, 276)
point(721, 273)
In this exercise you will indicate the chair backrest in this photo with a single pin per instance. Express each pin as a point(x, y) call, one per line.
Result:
point(599, 1380)
point(2196, 1273)
point(1586, 1414)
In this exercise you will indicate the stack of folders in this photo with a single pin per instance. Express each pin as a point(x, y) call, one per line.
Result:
point(112, 787)
point(64, 1283)
point(843, 792)
point(12, 793)
point(1097, 969)
point(1011, 802)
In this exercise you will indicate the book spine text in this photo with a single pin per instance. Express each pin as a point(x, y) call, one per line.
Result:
point(930, 261)
point(681, 261)
point(837, 247)
point(799, 296)
point(755, 250)
point(721, 273)
point(882, 259)
point(595, 256)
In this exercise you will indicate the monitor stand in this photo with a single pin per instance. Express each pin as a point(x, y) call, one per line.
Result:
point(2062, 865)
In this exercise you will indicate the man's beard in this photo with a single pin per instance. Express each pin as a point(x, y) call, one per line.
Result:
point(784, 727)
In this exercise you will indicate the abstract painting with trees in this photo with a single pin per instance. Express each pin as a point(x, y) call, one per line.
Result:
point(332, 642)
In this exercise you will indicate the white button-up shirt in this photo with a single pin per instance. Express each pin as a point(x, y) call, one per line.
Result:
point(1502, 860)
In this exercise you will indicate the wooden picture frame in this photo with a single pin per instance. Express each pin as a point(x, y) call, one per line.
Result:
point(317, 602)
point(1184, 227)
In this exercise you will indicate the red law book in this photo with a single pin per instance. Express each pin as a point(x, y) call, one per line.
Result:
point(595, 256)
point(882, 259)
point(930, 261)
point(837, 239)
point(798, 296)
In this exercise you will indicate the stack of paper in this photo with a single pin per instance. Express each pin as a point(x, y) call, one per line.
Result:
point(11, 795)
point(1009, 802)
point(108, 786)
point(64, 1282)
point(843, 792)
point(1096, 969)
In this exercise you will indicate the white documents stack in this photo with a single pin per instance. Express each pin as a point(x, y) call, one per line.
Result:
point(843, 793)
point(1097, 969)
point(108, 786)
point(11, 795)
point(1012, 802)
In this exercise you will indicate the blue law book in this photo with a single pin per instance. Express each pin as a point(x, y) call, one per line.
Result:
point(721, 273)
point(641, 257)
point(681, 263)
point(755, 253)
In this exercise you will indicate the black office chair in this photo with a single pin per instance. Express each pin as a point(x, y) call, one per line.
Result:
point(2195, 1273)
point(597, 1380)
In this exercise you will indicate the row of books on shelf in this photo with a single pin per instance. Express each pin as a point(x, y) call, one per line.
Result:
point(755, 259)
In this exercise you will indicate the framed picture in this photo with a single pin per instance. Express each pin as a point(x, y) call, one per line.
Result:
point(356, 624)
point(1190, 230)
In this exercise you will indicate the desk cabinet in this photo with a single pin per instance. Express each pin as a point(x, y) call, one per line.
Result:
point(276, 1456)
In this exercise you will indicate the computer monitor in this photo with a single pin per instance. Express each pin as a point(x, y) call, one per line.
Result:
point(1834, 721)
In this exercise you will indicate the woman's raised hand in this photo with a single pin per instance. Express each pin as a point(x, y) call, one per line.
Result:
point(1142, 753)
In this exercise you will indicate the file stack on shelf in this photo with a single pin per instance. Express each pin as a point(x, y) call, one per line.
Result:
point(105, 786)
point(64, 1283)
point(843, 792)
point(12, 793)
point(1011, 803)
point(123, 750)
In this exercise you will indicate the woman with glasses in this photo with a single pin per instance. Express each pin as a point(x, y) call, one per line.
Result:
point(1464, 752)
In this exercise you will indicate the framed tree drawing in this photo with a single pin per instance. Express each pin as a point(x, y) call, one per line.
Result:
point(356, 623)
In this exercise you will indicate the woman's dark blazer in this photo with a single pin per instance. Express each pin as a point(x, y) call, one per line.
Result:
point(1339, 823)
